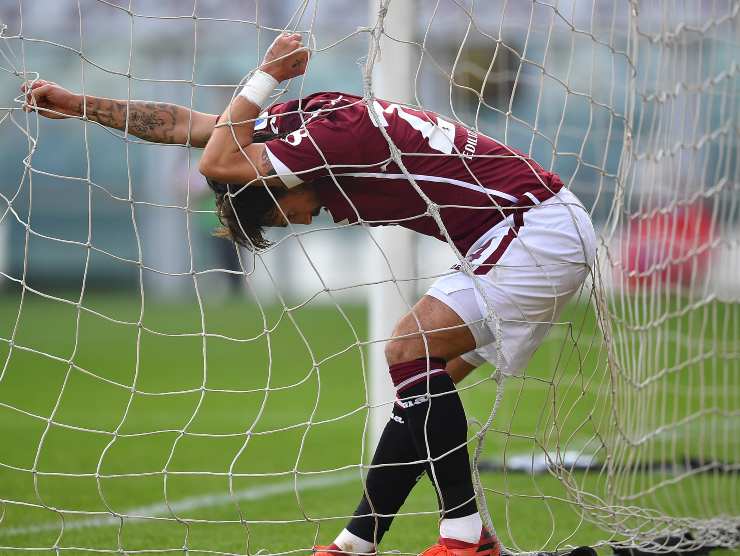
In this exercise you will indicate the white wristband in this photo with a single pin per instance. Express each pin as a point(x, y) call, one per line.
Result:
point(259, 87)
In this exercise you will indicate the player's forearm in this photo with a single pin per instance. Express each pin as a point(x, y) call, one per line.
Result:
point(157, 122)
point(230, 155)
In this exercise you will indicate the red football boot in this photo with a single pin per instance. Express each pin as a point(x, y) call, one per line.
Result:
point(331, 550)
point(488, 545)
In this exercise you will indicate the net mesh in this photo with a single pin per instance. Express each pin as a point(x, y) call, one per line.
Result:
point(163, 392)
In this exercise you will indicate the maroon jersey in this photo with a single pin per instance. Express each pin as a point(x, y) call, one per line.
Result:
point(336, 142)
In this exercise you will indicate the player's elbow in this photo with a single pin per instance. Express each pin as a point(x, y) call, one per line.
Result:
point(225, 171)
point(206, 167)
point(212, 169)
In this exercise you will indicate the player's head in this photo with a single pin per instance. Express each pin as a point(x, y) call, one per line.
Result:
point(245, 211)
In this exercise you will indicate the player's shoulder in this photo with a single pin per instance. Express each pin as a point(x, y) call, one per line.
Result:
point(322, 107)
point(334, 111)
point(333, 102)
point(330, 96)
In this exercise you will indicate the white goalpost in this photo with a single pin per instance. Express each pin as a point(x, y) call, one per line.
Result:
point(395, 254)
point(162, 392)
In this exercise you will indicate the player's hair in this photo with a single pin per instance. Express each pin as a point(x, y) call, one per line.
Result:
point(245, 211)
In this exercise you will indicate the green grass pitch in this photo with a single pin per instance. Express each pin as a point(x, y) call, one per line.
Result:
point(218, 426)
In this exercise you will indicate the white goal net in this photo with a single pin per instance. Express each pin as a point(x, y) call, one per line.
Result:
point(163, 392)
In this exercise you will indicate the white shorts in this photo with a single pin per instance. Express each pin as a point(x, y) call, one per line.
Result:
point(522, 280)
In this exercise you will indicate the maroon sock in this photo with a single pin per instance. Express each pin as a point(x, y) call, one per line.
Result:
point(406, 375)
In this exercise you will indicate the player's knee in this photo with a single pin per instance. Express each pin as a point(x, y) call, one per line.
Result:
point(394, 352)
point(394, 348)
point(401, 350)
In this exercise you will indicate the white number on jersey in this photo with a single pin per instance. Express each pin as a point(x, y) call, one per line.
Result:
point(294, 139)
point(441, 137)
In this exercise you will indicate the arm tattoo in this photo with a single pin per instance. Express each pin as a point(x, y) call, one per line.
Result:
point(152, 121)
point(266, 168)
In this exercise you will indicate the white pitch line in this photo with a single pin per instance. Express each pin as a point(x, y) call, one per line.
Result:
point(190, 503)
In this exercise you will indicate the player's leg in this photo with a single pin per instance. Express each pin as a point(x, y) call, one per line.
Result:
point(423, 341)
point(395, 469)
point(387, 486)
point(460, 367)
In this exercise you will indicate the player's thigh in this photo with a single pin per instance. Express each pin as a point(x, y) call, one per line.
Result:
point(430, 329)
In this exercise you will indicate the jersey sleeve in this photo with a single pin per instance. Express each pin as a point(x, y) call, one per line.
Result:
point(322, 145)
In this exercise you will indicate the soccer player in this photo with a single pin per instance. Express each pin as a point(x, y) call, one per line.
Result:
point(527, 243)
